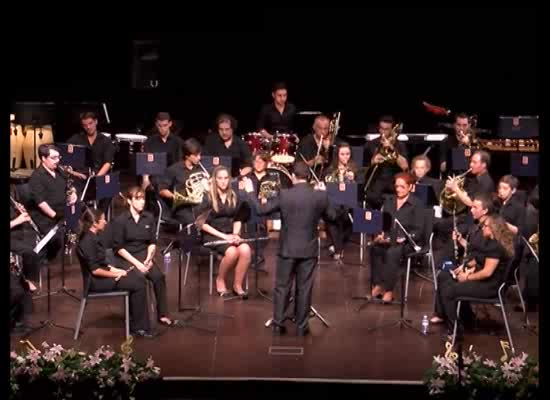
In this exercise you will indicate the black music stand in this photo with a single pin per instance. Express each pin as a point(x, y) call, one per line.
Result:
point(35, 114)
point(520, 127)
point(460, 158)
point(105, 187)
point(70, 222)
point(211, 162)
point(74, 155)
point(524, 164)
point(191, 240)
point(343, 194)
point(151, 163)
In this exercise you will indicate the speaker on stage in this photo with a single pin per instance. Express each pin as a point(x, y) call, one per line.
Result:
point(146, 64)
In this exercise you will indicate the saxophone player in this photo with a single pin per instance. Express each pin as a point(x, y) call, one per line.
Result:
point(48, 187)
point(342, 170)
point(184, 183)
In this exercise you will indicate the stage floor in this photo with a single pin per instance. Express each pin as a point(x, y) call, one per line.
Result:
point(243, 347)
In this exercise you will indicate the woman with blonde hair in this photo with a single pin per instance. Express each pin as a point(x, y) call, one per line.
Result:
point(222, 224)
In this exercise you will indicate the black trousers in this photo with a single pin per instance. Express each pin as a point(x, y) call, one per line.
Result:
point(529, 268)
point(340, 231)
point(136, 284)
point(155, 275)
point(31, 260)
point(20, 300)
point(302, 269)
point(449, 290)
point(386, 261)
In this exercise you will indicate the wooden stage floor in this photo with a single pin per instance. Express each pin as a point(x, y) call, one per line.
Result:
point(243, 347)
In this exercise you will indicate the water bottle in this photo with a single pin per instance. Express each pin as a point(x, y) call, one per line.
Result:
point(167, 261)
point(425, 324)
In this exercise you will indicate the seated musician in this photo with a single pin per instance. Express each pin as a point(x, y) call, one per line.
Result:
point(459, 138)
point(342, 170)
point(134, 244)
point(316, 147)
point(471, 234)
point(163, 140)
point(512, 209)
point(50, 194)
point(100, 150)
point(186, 178)
point(21, 245)
point(389, 156)
point(278, 116)
point(20, 301)
point(105, 277)
point(477, 181)
point(483, 271)
point(390, 247)
point(420, 167)
point(224, 142)
point(222, 225)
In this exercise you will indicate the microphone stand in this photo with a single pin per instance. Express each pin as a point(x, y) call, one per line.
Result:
point(402, 321)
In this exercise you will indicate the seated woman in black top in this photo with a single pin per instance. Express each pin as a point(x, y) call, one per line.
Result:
point(221, 225)
point(104, 277)
point(134, 244)
point(342, 170)
point(390, 247)
point(483, 271)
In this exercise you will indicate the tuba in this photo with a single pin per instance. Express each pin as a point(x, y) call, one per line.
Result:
point(449, 200)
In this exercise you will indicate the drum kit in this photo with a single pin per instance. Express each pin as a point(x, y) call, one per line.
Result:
point(281, 148)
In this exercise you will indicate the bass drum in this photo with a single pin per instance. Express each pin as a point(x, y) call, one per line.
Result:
point(16, 146)
point(44, 135)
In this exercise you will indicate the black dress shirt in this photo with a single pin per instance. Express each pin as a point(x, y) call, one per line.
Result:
point(91, 252)
point(513, 212)
point(479, 184)
point(273, 121)
point(100, 152)
point(132, 236)
point(45, 187)
point(238, 151)
point(410, 215)
point(172, 147)
point(385, 169)
point(222, 220)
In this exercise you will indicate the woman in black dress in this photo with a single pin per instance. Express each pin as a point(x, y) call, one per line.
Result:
point(221, 224)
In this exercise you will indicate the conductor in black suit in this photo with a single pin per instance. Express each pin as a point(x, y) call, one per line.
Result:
point(301, 208)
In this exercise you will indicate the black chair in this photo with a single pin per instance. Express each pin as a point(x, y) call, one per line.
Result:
point(426, 249)
point(497, 301)
point(87, 294)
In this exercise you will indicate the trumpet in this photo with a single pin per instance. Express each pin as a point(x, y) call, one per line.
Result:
point(19, 207)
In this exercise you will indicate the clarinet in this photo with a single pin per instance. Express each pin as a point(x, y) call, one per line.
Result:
point(19, 207)
point(455, 243)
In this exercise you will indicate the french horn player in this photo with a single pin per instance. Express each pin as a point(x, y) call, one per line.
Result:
point(184, 184)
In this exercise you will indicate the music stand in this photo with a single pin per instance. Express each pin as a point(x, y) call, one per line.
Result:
point(343, 194)
point(211, 162)
point(520, 127)
point(73, 155)
point(191, 240)
point(106, 187)
point(524, 164)
point(35, 114)
point(460, 158)
point(151, 163)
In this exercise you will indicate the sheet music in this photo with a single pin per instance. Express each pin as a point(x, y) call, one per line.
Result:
point(46, 239)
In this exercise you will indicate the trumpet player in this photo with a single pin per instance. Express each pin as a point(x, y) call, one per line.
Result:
point(460, 138)
point(342, 170)
point(184, 183)
point(49, 194)
point(389, 156)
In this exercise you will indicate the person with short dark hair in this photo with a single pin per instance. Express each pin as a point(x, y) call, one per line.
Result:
point(301, 208)
point(511, 209)
point(105, 278)
point(186, 178)
point(458, 138)
point(279, 115)
point(224, 142)
point(163, 140)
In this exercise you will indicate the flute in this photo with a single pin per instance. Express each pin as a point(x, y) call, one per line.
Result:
point(415, 246)
point(19, 207)
point(217, 242)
